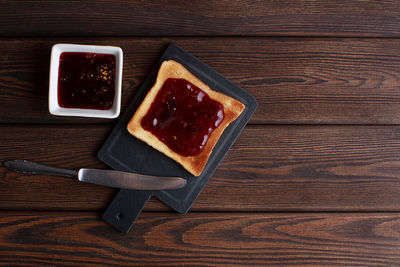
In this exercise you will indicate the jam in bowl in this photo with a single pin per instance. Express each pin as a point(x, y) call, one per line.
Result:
point(85, 80)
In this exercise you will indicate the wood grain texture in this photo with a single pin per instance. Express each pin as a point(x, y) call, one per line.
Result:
point(166, 18)
point(296, 81)
point(201, 239)
point(314, 180)
point(269, 168)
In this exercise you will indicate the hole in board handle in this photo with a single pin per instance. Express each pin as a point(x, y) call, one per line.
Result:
point(119, 216)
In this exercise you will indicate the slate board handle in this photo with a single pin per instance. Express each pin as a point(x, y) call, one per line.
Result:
point(125, 208)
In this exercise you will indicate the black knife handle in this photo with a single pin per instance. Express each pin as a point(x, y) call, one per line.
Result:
point(29, 167)
point(125, 208)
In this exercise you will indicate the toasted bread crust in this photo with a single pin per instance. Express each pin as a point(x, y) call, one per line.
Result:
point(194, 164)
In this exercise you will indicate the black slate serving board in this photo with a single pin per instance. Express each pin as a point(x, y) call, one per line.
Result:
point(121, 151)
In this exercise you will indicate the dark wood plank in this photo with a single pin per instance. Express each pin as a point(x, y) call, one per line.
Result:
point(296, 81)
point(201, 239)
point(270, 168)
point(160, 18)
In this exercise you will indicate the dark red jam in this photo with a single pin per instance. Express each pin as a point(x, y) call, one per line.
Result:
point(86, 80)
point(183, 117)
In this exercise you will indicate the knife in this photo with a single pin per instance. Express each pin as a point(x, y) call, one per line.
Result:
point(108, 178)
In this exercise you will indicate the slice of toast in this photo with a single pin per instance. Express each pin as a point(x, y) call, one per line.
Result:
point(194, 164)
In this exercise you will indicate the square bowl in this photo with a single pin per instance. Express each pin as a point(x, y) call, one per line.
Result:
point(54, 106)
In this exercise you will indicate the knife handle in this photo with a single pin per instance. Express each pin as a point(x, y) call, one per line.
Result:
point(29, 167)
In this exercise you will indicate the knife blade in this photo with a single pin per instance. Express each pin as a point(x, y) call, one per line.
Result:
point(108, 178)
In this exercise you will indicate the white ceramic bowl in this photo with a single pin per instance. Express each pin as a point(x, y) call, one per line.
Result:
point(56, 109)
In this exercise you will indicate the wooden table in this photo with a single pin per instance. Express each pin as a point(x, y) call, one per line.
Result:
point(314, 179)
